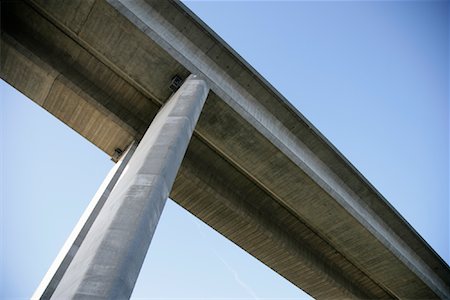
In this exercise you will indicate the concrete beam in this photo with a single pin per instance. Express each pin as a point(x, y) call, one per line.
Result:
point(255, 170)
point(367, 218)
point(109, 259)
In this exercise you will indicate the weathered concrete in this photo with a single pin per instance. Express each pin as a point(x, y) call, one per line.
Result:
point(110, 257)
point(59, 267)
point(256, 170)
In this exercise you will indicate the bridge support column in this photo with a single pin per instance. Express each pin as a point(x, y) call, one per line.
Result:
point(59, 267)
point(109, 259)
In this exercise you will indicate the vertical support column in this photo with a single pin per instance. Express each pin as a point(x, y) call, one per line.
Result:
point(61, 263)
point(108, 261)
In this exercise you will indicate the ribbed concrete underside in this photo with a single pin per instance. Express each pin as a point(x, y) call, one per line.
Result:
point(93, 65)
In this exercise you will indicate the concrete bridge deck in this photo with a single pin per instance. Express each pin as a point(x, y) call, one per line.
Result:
point(256, 170)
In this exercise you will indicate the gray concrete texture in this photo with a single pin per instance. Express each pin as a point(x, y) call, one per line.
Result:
point(256, 170)
point(108, 261)
point(59, 267)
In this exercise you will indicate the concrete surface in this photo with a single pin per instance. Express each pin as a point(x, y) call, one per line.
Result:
point(256, 170)
point(59, 266)
point(110, 256)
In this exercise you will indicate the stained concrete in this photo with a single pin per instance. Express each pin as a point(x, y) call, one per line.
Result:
point(262, 175)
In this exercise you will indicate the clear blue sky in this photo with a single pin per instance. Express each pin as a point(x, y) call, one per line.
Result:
point(373, 77)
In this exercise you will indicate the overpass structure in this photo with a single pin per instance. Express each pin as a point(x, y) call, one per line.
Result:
point(255, 169)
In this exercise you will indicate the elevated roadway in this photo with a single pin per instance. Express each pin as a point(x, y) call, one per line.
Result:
point(255, 170)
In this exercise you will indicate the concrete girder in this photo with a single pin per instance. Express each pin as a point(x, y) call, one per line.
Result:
point(255, 230)
point(265, 141)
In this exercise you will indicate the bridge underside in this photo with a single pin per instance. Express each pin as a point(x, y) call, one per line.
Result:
point(255, 170)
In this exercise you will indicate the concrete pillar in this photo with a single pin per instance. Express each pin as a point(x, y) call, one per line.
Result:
point(108, 261)
point(73, 243)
